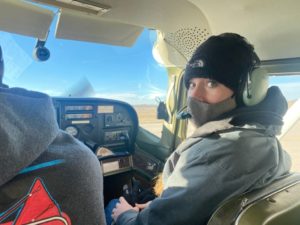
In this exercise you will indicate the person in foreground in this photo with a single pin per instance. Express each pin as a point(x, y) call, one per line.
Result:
point(233, 148)
point(47, 176)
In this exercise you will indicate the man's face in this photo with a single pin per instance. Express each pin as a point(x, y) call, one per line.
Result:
point(208, 91)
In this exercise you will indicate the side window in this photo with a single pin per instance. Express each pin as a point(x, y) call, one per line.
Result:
point(290, 87)
point(148, 120)
point(152, 88)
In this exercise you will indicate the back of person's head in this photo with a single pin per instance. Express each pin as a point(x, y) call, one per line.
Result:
point(226, 58)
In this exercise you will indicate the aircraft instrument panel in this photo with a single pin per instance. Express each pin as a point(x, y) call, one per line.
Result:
point(107, 127)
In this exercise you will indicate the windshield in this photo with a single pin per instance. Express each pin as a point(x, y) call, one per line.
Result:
point(81, 69)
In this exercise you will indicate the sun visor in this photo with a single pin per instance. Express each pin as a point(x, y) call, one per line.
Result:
point(31, 21)
point(84, 27)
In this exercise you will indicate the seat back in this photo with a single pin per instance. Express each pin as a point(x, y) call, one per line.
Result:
point(62, 186)
point(276, 204)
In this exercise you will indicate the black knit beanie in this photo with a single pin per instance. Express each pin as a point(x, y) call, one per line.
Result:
point(226, 58)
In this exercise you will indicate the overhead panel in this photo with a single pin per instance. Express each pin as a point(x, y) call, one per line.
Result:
point(163, 15)
point(88, 6)
point(84, 27)
point(31, 20)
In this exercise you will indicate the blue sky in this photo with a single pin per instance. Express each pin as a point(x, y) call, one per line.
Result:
point(289, 85)
point(128, 74)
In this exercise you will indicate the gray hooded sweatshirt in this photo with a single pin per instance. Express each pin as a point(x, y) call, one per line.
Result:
point(45, 173)
point(223, 158)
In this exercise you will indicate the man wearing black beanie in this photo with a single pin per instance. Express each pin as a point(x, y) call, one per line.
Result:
point(233, 148)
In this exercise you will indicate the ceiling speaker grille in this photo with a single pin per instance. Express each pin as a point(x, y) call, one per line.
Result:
point(186, 40)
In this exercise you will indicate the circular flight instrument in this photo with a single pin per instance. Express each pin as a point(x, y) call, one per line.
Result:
point(71, 130)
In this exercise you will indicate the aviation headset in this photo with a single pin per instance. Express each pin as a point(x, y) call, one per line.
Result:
point(254, 85)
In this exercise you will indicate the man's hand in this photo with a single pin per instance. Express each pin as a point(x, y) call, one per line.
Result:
point(121, 207)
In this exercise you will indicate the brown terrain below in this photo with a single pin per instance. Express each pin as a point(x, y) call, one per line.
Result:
point(290, 142)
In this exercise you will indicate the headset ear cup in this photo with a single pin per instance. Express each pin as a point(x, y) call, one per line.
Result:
point(257, 88)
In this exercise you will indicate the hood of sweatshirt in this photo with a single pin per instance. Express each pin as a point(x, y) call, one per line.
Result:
point(28, 126)
point(268, 112)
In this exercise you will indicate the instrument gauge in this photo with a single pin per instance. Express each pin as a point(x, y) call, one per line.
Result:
point(71, 130)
